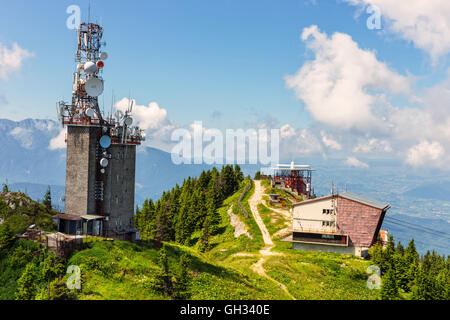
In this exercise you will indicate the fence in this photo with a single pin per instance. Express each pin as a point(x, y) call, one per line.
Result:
point(247, 188)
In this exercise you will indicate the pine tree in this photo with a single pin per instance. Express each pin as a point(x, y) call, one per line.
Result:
point(26, 285)
point(401, 271)
point(182, 285)
point(6, 236)
point(257, 176)
point(163, 280)
point(388, 254)
point(5, 188)
point(47, 202)
point(423, 286)
point(204, 239)
point(411, 254)
point(389, 288)
point(400, 250)
point(442, 286)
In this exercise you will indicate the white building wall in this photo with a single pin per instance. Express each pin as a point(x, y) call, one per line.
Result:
point(309, 216)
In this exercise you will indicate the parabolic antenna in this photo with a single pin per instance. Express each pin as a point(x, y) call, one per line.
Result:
point(90, 112)
point(103, 56)
point(105, 142)
point(104, 162)
point(94, 87)
point(90, 67)
point(128, 121)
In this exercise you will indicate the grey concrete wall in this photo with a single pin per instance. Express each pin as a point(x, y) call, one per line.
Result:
point(120, 187)
point(80, 170)
point(357, 251)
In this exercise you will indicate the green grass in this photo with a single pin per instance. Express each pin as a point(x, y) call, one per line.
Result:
point(321, 276)
point(120, 270)
point(117, 270)
point(274, 221)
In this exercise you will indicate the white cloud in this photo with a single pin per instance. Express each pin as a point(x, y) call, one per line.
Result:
point(424, 22)
point(373, 145)
point(287, 131)
point(59, 142)
point(329, 142)
point(11, 59)
point(425, 152)
point(151, 118)
point(353, 162)
point(341, 86)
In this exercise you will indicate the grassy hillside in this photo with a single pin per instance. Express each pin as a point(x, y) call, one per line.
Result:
point(121, 270)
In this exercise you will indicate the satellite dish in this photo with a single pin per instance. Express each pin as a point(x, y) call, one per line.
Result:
point(103, 56)
point(94, 87)
point(80, 67)
point(128, 121)
point(104, 162)
point(90, 67)
point(90, 112)
point(105, 142)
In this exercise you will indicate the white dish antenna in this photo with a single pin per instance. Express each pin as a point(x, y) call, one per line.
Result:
point(128, 121)
point(90, 67)
point(103, 56)
point(94, 87)
point(104, 162)
point(105, 142)
point(90, 112)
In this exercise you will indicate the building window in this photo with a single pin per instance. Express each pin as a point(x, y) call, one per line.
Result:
point(328, 224)
point(327, 211)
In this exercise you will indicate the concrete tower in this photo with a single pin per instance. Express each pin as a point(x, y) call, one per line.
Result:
point(101, 152)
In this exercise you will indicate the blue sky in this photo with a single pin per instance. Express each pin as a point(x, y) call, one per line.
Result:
point(222, 62)
point(192, 57)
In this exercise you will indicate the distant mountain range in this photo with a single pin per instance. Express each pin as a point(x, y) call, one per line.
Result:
point(30, 166)
point(437, 191)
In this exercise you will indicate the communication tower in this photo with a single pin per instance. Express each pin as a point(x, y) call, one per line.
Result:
point(101, 151)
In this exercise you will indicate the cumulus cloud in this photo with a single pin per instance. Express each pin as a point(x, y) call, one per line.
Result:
point(373, 145)
point(287, 131)
point(425, 152)
point(350, 93)
point(329, 142)
point(59, 142)
point(353, 162)
point(11, 59)
point(151, 118)
point(424, 22)
point(341, 86)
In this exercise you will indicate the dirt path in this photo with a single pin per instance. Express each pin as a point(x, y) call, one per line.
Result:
point(285, 213)
point(254, 200)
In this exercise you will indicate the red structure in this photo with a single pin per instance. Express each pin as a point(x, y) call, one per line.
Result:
point(295, 178)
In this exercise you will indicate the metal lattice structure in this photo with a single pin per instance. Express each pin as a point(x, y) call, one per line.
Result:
point(101, 150)
point(296, 178)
